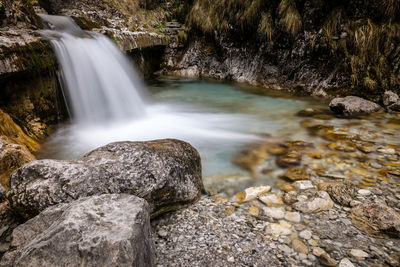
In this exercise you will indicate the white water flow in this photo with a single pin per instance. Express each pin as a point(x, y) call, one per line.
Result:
point(101, 84)
point(106, 99)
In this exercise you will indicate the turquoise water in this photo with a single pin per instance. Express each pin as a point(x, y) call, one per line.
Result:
point(219, 119)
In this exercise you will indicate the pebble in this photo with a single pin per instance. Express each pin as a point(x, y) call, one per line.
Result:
point(303, 185)
point(271, 200)
point(252, 193)
point(276, 213)
point(345, 263)
point(317, 204)
point(327, 260)
point(281, 228)
point(364, 192)
point(312, 242)
point(293, 217)
point(162, 233)
point(285, 249)
point(299, 246)
point(317, 251)
point(358, 254)
point(305, 234)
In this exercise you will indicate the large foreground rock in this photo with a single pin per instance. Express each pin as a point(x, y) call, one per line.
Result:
point(106, 230)
point(352, 106)
point(166, 173)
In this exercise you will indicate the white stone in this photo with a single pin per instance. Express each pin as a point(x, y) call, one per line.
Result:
point(252, 193)
point(358, 254)
point(287, 250)
point(272, 200)
point(273, 212)
point(231, 259)
point(303, 185)
point(364, 192)
point(306, 234)
point(278, 229)
point(317, 251)
point(315, 205)
point(293, 217)
point(346, 263)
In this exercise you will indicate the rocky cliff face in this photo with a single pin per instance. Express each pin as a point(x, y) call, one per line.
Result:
point(313, 47)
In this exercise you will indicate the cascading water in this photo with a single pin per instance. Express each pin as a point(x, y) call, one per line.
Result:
point(101, 83)
point(106, 98)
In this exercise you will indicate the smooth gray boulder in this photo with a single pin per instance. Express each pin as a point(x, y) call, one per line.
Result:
point(106, 230)
point(166, 173)
point(352, 106)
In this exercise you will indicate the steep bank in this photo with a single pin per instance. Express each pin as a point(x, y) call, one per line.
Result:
point(313, 47)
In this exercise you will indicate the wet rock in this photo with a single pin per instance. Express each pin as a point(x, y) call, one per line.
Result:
point(252, 157)
point(295, 174)
point(322, 202)
point(313, 112)
point(101, 230)
point(292, 158)
point(252, 193)
point(390, 98)
point(352, 105)
point(341, 192)
point(376, 219)
point(167, 173)
point(366, 147)
point(229, 184)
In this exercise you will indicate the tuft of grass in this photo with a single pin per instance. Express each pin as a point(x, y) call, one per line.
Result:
point(370, 83)
point(242, 16)
point(290, 17)
point(266, 26)
point(392, 6)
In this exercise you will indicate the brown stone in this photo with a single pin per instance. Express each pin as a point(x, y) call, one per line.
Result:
point(326, 260)
point(295, 174)
point(376, 219)
point(12, 156)
point(252, 157)
point(292, 158)
point(15, 134)
point(299, 246)
point(341, 192)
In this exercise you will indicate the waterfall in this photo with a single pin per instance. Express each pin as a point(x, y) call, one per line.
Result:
point(107, 100)
point(100, 83)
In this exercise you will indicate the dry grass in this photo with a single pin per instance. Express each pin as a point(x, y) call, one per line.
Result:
point(266, 26)
point(290, 17)
point(392, 6)
point(225, 15)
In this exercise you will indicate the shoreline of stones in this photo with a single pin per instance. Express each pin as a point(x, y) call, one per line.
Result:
point(111, 207)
